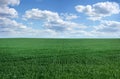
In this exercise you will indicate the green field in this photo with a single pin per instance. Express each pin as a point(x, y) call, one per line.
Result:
point(59, 58)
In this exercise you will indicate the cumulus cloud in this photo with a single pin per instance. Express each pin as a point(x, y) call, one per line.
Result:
point(41, 15)
point(10, 2)
point(5, 23)
point(108, 26)
point(8, 26)
point(61, 26)
point(52, 20)
point(99, 10)
point(6, 11)
point(106, 29)
point(68, 16)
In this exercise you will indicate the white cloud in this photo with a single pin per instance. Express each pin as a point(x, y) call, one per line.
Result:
point(9, 26)
point(61, 26)
point(6, 11)
point(52, 20)
point(108, 26)
point(68, 16)
point(106, 29)
point(41, 15)
point(10, 2)
point(5, 22)
point(99, 10)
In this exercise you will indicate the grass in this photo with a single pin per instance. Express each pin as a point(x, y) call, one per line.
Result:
point(59, 58)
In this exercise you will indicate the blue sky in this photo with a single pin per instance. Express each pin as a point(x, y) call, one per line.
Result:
point(60, 18)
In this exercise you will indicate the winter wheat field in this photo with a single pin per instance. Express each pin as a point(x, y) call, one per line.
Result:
point(59, 58)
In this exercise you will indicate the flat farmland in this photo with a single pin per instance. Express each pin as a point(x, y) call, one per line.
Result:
point(35, 58)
